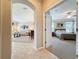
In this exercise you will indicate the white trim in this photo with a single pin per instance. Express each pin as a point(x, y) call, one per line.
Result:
point(39, 48)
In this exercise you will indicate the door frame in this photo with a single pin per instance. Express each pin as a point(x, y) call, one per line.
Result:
point(44, 20)
point(29, 4)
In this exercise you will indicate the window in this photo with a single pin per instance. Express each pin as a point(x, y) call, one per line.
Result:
point(69, 26)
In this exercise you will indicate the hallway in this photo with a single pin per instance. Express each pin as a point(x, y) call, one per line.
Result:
point(21, 50)
point(33, 12)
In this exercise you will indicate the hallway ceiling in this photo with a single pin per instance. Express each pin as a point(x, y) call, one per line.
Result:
point(22, 13)
point(65, 10)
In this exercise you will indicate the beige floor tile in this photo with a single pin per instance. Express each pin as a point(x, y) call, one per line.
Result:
point(26, 51)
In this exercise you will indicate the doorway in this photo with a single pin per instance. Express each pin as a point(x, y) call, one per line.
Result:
point(23, 29)
point(60, 30)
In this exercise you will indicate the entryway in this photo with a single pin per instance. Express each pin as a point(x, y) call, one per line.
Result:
point(23, 30)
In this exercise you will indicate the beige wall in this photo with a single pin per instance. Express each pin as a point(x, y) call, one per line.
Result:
point(39, 22)
point(47, 4)
point(6, 27)
point(0, 30)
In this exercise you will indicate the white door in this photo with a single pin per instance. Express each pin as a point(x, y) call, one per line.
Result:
point(48, 30)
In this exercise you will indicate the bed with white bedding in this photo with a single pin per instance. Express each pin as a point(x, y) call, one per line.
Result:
point(59, 32)
point(62, 34)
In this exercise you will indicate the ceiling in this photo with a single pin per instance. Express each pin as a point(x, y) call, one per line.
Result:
point(22, 13)
point(65, 10)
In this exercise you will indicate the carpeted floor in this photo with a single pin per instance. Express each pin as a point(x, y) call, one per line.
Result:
point(64, 49)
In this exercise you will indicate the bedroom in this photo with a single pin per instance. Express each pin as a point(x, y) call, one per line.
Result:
point(64, 30)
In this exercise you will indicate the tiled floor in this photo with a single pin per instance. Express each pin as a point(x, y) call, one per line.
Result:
point(22, 50)
point(23, 39)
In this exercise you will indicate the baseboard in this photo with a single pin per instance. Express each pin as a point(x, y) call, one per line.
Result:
point(38, 48)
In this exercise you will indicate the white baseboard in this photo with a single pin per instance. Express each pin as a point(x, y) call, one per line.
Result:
point(38, 48)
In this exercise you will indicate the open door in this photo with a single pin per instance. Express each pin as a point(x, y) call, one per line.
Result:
point(48, 30)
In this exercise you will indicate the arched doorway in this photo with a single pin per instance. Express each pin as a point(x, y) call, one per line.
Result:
point(22, 20)
point(23, 17)
point(6, 26)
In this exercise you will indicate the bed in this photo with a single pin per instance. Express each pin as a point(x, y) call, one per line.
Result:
point(62, 34)
point(59, 32)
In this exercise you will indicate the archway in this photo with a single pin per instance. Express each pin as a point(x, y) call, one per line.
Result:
point(23, 13)
point(6, 27)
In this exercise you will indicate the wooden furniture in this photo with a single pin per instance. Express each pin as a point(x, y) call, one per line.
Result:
point(32, 34)
point(60, 29)
point(53, 34)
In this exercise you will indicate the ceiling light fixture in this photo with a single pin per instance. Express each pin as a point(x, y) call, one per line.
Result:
point(70, 13)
